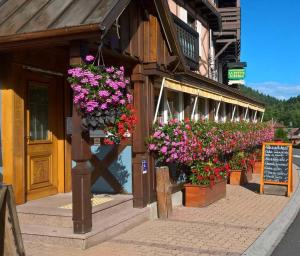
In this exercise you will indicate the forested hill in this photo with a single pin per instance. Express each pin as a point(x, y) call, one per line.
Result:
point(286, 111)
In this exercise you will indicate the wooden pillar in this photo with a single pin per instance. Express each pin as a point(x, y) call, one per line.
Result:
point(211, 110)
point(81, 173)
point(141, 132)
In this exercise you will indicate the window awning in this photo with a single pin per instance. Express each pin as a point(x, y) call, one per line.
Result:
point(190, 89)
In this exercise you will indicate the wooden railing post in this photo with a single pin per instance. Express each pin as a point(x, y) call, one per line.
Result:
point(81, 173)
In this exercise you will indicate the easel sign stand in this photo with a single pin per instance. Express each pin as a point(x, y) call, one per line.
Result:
point(277, 165)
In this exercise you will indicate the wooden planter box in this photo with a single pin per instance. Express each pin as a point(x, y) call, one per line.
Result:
point(249, 173)
point(257, 167)
point(238, 177)
point(201, 196)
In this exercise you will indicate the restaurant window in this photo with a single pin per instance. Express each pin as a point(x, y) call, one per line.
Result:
point(200, 109)
point(189, 104)
point(173, 104)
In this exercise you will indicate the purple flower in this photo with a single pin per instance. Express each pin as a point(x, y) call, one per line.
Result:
point(103, 93)
point(164, 150)
point(77, 88)
point(121, 84)
point(157, 134)
point(75, 72)
point(89, 58)
point(129, 97)
point(110, 70)
point(84, 80)
point(118, 93)
point(114, 85)
point(85, 91)
point(152, 147)
point(91, 105)
point(103, 106)
point(122, 102)
point(93, 82)
point(115, 98)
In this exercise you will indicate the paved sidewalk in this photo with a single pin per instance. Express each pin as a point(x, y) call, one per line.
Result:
point(227, 227)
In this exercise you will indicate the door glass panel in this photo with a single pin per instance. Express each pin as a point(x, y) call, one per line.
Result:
point(38, 98)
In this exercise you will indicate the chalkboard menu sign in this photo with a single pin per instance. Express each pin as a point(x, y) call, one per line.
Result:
point(277, 164)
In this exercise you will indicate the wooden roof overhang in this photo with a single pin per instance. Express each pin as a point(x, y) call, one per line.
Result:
point(25, 22)
point(203, 10)
point(194, 79)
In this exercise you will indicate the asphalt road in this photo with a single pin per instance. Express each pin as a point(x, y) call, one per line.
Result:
point(290, 244)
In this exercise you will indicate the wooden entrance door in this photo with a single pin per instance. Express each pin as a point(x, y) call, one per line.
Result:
point(43, 111)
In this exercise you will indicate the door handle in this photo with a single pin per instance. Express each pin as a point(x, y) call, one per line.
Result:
point(27, 138)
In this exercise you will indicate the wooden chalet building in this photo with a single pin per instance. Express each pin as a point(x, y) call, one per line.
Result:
point(173, 51)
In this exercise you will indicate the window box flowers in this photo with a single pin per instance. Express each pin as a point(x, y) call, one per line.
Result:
point(239, 170)
point(204, 195)
point(195, 145)
point(207, 183)
point(103, 100)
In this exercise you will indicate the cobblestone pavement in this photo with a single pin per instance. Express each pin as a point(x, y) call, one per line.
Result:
point(227, 227)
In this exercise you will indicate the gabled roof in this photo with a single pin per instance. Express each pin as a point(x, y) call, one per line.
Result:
point(38, 18)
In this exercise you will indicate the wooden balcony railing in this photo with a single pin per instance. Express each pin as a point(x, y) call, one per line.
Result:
point(231, 21)
point(189, 41)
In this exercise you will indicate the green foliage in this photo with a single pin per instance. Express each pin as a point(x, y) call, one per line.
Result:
point(237, 161)
point(285, 111)
point(281, 134)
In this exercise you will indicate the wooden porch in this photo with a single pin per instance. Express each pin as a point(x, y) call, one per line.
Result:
point(49, 220)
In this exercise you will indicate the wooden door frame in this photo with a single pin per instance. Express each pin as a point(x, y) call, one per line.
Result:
point(13, 132)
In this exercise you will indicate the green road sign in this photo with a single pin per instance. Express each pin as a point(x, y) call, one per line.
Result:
point(236, 74)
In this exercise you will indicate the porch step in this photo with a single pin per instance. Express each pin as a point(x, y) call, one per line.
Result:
point(105, 229)
point(53, 226)
point(57, 217)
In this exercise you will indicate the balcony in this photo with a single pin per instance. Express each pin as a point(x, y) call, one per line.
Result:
point(231, 31)
point(189, 42)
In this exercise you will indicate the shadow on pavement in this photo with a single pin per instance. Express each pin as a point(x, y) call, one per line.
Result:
point(254, 187)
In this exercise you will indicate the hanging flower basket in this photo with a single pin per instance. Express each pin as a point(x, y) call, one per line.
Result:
point(103, 100)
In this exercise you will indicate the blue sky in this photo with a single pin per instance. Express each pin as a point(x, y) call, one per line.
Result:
point(271, 46)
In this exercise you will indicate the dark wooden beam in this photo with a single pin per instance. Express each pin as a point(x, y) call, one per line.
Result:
point(81, 173)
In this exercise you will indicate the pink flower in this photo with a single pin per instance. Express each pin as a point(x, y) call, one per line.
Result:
point(129, 97)
point(110, 70)
point(89, 58)
point(152, 147)
point(103, 93)
point(103, 106)
point(164, 150)
point(84, 80)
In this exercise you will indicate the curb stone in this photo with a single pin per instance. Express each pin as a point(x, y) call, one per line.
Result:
point(270, 238)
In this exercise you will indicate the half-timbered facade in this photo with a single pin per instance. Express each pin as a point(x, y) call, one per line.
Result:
point(166, 48)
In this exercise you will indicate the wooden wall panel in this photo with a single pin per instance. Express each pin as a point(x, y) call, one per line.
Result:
point(153, 39)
